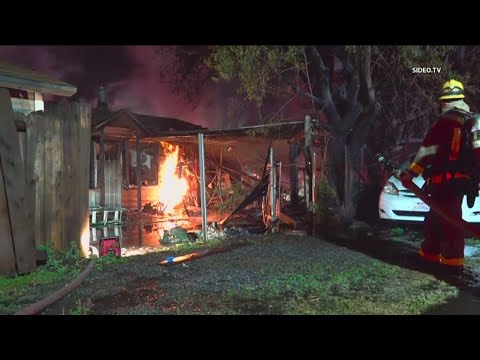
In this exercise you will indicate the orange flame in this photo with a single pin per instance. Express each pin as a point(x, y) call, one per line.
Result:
point(172, 188)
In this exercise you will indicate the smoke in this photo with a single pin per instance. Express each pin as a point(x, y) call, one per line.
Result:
point(43, 59)
point(132, 77)
point(144, 92)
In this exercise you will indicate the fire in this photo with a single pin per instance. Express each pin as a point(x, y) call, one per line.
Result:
point(172, 187)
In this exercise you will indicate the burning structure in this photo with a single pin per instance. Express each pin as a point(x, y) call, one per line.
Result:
point(152, 164)
point(126, 170)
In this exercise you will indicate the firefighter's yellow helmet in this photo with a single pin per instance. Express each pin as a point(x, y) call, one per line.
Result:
point(452, 90)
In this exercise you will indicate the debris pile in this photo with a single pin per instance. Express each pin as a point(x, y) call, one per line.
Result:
point(175, 235)
point(214, 233)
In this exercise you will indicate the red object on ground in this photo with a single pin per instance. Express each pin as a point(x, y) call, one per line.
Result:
point(110, 246)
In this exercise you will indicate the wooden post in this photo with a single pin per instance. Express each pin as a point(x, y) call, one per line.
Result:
point(7, 252)
point(92, 182)
point(314, 177)
point(58, 189)
point(279, 191)
point(33, 145)
point(14, 181)
point(69, 180)
point(21, 141)
point(48, 163)
point(308, 161)
point(139, 176)
point(293, 158)
point(125, 162)
point(83, 113)
point(273, 197)
point(35, 124)
point(101, 168)
point(55, 183)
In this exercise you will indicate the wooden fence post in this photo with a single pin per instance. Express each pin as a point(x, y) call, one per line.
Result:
point(14, 181)
point(7, 252)
point(138, 173)
point(53, 176)
point(293, 159)
point(308, 161)
point(84, 148)
point(35, 169)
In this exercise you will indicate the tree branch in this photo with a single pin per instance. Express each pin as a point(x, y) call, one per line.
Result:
point(367, 75)
point(315, 99)
point(324, 88)
point(308, 76)
point(297, 90)
point(353, 107)
point(353, 83)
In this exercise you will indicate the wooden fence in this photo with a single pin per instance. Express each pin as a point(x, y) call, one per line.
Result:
point(49, 194)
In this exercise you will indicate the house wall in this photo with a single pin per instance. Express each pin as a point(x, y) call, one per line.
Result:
point(26, 102)
point(151, 151)
point(149, 194)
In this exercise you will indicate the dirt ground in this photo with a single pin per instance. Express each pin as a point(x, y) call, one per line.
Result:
point(343, 273)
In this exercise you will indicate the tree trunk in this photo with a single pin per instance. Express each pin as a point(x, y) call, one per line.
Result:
point(336, 173)
point(349, 205)
point(344, 157)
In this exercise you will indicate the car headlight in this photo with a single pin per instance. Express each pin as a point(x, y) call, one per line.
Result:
point(390, 188)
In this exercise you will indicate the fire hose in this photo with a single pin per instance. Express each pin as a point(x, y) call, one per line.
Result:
point(458, 222)
point(57, 295)
point(174, 260)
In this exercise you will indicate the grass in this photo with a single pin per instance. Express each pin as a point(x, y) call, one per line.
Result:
point(398, 231)
point(17, 292)
point(184, 248)
point(376, 288)
point(285, 278)
point(80, 309)
point(105, 262)
point(20, 291)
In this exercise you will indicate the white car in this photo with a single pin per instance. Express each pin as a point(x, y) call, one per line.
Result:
point(399, 204)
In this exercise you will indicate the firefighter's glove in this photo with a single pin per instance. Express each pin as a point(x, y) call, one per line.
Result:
point(406, 178)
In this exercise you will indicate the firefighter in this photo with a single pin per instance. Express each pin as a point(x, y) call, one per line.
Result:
point(446, 160)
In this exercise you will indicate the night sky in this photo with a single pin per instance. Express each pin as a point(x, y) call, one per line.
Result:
point(132, 77)
point(131, 74)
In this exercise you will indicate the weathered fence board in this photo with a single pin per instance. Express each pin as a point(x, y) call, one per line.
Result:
point(84, 149)
point(36, 164)
point(69, 225)
point(7, 253)
point(43, 199)
point(29, 153)
point(56, 215)
point(61, 173)
point(14, 181)
point(22, 141)
point(49, 190)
